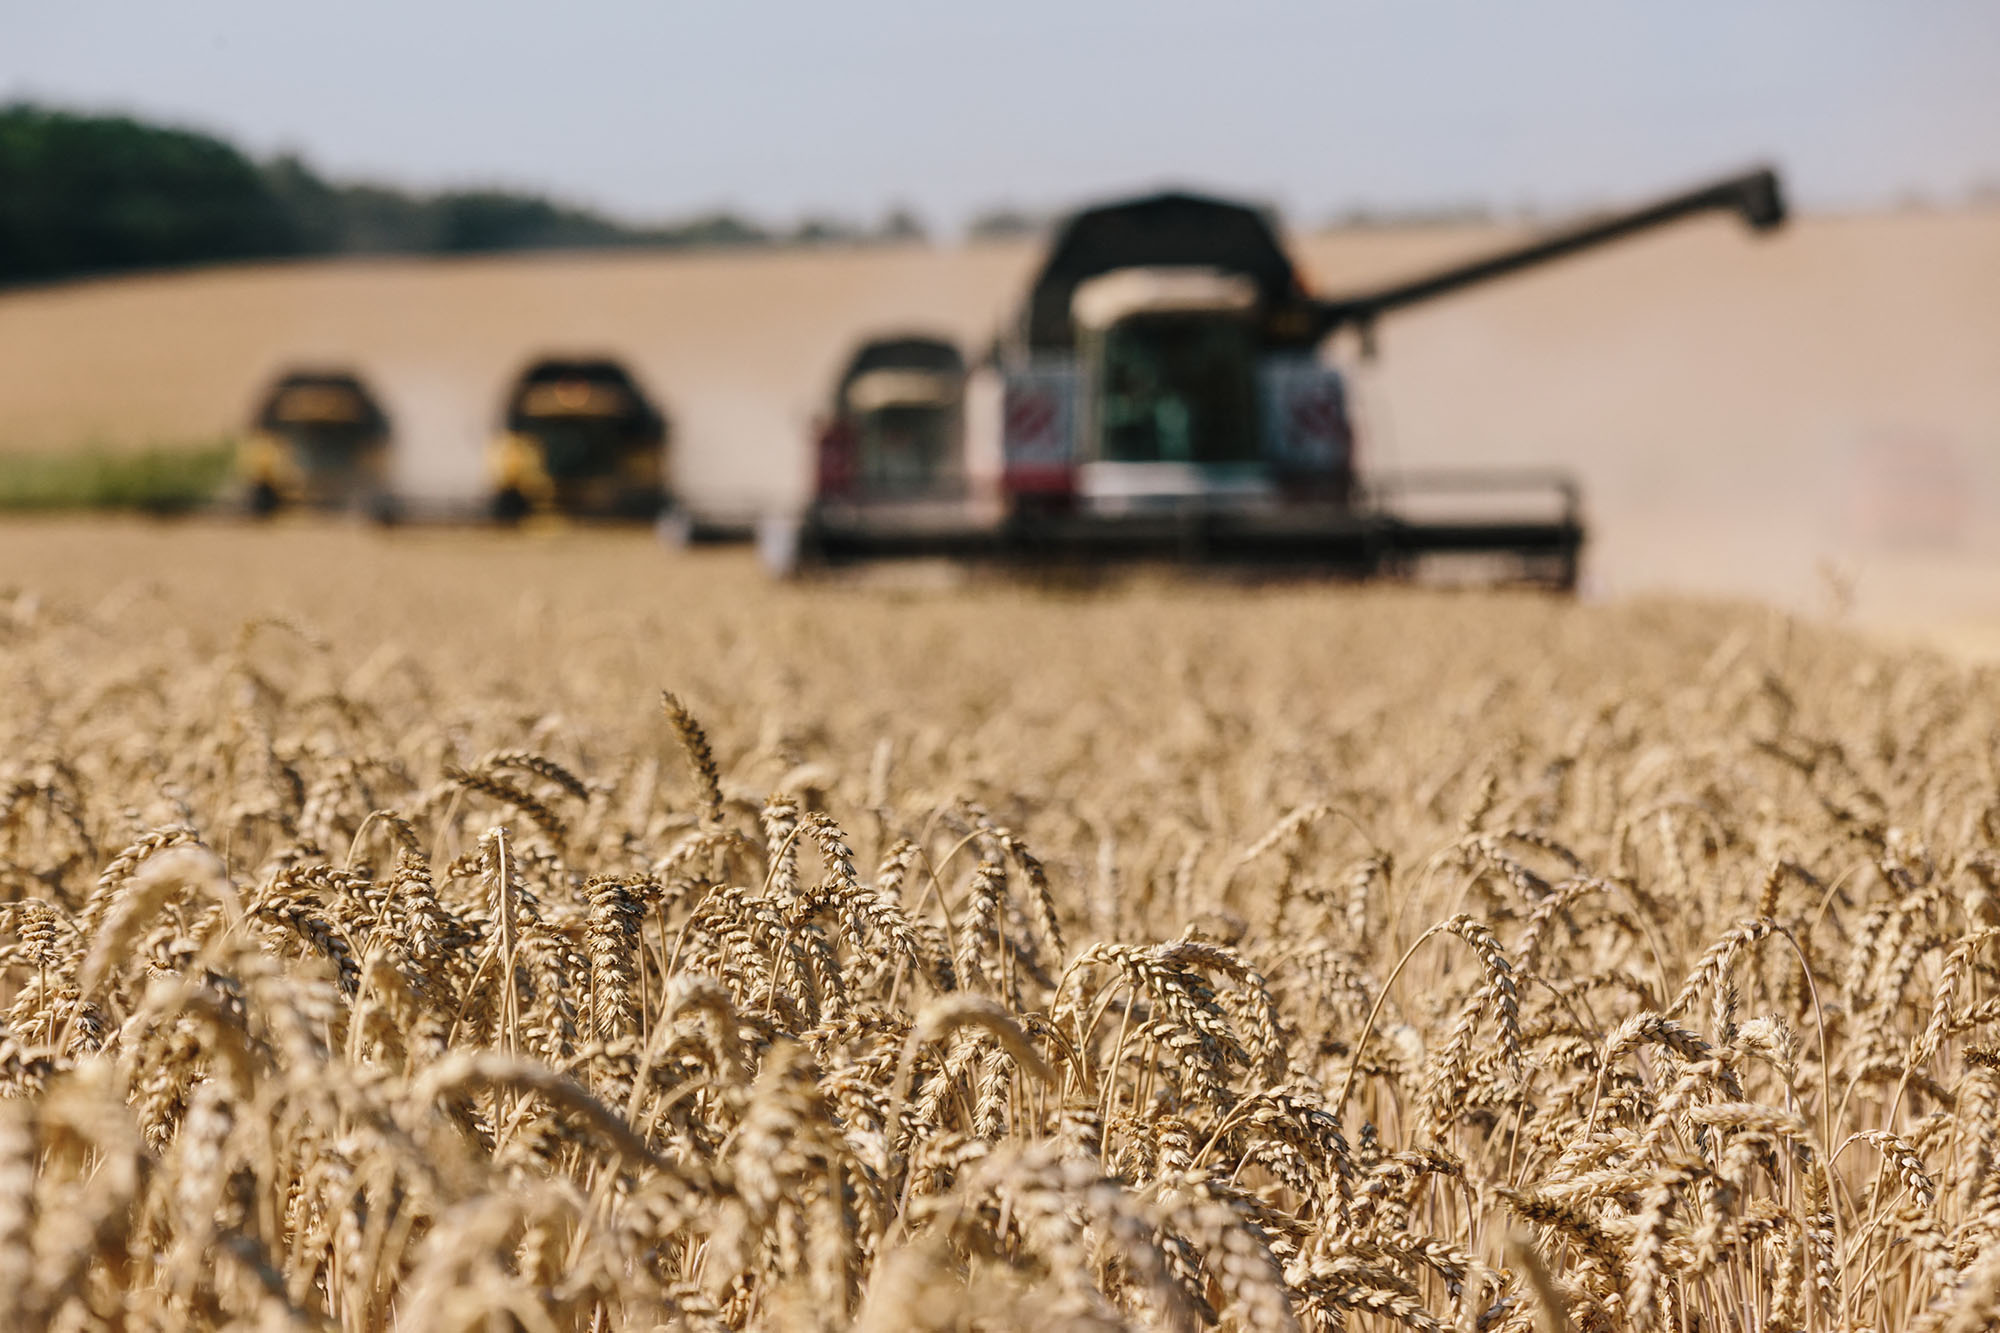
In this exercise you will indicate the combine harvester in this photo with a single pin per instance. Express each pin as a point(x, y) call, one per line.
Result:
point(318, 440)
point(579, 438)
point(1162, 398)
point(896, 428)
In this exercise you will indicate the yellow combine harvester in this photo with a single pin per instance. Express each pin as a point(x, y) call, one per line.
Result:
point(580, 437)
point(319, 440)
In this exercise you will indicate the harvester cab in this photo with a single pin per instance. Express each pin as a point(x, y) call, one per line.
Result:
point(895, 428)
point(1164, 398)
point(580, 437)
point(1165, 361)
point(318, 439)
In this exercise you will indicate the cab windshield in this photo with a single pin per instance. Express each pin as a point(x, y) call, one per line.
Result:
point(579, 446)
point(320, 450)
point(904, 448)
point(1178, 388)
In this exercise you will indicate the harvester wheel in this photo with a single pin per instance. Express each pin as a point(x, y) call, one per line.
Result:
point(262, 501)
point(383, 511)
point(1567, 574)
point(509, 505)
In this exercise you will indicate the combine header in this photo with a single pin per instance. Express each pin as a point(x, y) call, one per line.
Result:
point(580, 438)
point(1162, 398)
point(319, 440)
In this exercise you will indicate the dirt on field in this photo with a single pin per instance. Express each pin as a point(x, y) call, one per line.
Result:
point(1812, 418)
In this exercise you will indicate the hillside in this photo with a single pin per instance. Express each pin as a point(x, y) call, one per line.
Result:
point(1743, 412)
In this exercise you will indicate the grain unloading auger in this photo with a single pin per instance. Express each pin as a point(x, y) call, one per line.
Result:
point(1162, 398)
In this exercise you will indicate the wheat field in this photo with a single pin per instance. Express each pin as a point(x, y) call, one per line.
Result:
point(467, 932)
point(1732, 405)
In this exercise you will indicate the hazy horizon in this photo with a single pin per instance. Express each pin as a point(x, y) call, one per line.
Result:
point(647, 112)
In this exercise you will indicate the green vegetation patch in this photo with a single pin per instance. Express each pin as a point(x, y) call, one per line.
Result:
point(85, 194)
point(167, 479)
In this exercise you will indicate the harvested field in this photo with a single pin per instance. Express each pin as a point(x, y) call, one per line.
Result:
point(379, 951)
point(1769, 417)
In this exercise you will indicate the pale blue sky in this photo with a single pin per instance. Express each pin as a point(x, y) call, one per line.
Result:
point(655, 109)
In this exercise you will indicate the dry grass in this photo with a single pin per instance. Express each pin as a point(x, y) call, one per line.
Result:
point(379, 951)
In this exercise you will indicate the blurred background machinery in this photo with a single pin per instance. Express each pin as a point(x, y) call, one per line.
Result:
point(580, 437)
point(1162, 397)
point(318, 440)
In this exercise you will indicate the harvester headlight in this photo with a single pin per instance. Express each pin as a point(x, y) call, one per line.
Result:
point(515, 463)
point(264, 459)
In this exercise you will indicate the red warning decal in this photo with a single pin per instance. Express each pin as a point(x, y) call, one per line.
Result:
point(1317, 415)
point(1031, 417)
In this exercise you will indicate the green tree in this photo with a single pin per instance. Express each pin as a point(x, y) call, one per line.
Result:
point(93, 194)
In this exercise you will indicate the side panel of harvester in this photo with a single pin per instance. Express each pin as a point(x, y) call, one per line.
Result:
point(1308, 434)
point(1038, 424)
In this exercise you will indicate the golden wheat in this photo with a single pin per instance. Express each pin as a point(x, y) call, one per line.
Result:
point(381, 954)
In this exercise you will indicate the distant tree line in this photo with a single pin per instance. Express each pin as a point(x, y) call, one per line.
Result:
point(1361, 217)
point(83, 194)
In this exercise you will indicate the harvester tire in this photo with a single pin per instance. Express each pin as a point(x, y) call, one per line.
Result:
point(383, 511)
point(509, 505)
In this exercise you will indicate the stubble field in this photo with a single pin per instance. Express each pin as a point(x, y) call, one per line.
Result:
point(380, 950)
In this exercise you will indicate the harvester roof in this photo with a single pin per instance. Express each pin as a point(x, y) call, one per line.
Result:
point(320, 397)
point(921, 353)
point(1160, 231)
point(904, 351)
point(597, 387)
